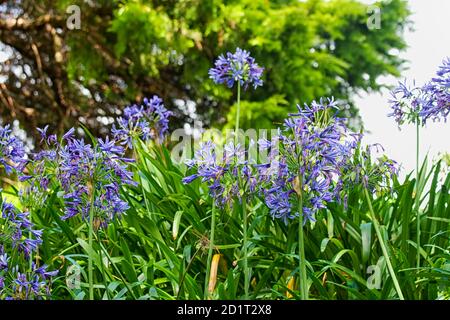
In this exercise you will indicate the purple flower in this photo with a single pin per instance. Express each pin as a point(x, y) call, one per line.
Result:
point(279, 204)
point(431, 101)
point(312, 148)
point(223, 173)
point(12, 152)
point(42, 271)
point(189, 179)
point(4, 261)
point(237, 67)
point(19, 241)
point(311, 111)
point(18, 284)
point(42, 167)
point(148, 121)
point(110, 146)
point(157, 114)
point(86, 172)
point(43, 133)
point(82, 171)
point(18, 229)
point(436, 101)
point(405, 103)
point(69, 134)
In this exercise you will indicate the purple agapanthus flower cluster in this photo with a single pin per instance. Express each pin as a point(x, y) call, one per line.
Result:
point(27, 284)
point(237, 67)
point(150, 120)
point(310, 152)
point(86, 173)
point(93, 173)
point(42, 168)
point(17, 230)
point(437, 101)
point(18, 241)
point(228, 176)
point(12, 152)
point(431, 101)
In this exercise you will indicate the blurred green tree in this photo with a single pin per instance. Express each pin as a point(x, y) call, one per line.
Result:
point(53, 72)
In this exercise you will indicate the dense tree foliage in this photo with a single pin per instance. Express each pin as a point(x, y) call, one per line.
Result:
point(125, 50)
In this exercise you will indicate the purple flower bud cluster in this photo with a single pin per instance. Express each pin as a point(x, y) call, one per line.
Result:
point(12, 152)
point(312, 148)
point(237, 67)
point(370, 168)
point(147, 121)
point(431, 101)
point(228, 176)
point(19, 240)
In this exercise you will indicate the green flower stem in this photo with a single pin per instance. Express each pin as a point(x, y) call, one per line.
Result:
point(301, 247)
point(417, 197)
point(383, 246)
point(245, 244)
point(90, 238)
point(244, 205)
point(210, 250)
point(236, 131)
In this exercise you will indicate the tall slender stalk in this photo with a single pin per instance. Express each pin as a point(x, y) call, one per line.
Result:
point(90, 238)
point(245, 243)
point(383, 247)
point(244, 204)
point(417, 198)
point(210, 250)
point(236, 131)
point(301, 247)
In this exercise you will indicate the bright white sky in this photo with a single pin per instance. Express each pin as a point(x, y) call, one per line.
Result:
point(428, 44)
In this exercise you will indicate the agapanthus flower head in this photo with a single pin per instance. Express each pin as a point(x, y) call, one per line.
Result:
point(226, 171)
point(279, 203)
point(314, 110)
point(410, 104)
point(436, 101)
point(93, 174)
point(237, 67)
point(17, 230)
point(87, 174)
point(12, 152)
point(42, 167)
point(312, 147)
point(19, 283)
point(150, 120)
point(19, 240)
